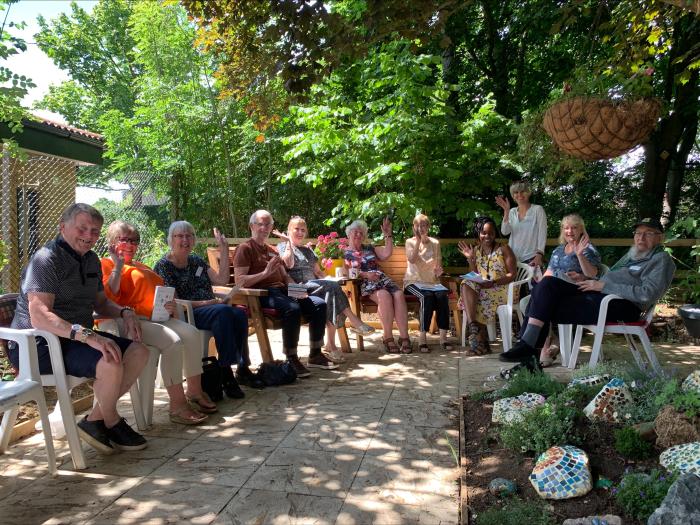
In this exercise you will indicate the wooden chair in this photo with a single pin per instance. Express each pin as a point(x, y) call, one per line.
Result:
point(262, 319)
point(395, 267)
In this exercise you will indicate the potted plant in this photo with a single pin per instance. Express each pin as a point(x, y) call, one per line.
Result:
point(330, 249)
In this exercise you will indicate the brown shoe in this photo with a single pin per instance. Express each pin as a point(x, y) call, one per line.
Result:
point(299, 368)
point(321, 361)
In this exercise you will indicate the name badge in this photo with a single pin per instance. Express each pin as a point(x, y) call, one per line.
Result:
point(199, 271)
point(635, 268)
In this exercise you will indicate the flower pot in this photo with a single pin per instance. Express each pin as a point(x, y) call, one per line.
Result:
point(690, 313)
point(335, 263)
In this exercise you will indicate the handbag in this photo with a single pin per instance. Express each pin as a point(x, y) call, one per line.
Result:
point(277, 373)
point(212, 378)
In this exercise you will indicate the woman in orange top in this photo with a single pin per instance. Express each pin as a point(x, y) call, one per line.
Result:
point(130, 283)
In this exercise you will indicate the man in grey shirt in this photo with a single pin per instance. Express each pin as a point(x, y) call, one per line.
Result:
point(61, 287)
point(640, 278)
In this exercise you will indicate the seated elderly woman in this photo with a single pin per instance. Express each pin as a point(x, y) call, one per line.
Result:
point(132, 284)
point(423, 269)
point(574, 260)
point(496, 267)
point(376, 285)
point(640, 278)
point(192, 279)
point(302, 267)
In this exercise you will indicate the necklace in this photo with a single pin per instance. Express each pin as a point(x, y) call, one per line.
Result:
point(488, 261)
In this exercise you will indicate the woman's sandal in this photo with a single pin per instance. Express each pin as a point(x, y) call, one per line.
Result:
point(390, 346)
point(424, 348)
point(446, 347)
point(178, 416)
point(405, 345)
point(197, 404)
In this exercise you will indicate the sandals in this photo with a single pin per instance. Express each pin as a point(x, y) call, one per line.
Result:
point(424, 348)
point(364, 329)
point(406, 345)
point(197, 404)
point(335, 356)
point(390, 346)
point(178, 416)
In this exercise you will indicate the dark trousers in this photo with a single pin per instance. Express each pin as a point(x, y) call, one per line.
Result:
point(230, 328)
point(431, 301)
point(557, 301)
point(290, 312)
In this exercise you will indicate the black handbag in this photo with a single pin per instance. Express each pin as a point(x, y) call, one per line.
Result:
point(212, 378)
point(277, 373)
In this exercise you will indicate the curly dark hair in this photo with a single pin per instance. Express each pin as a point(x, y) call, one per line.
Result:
point(482, 221)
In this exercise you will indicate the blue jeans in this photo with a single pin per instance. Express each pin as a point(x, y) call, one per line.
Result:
point(290, 311)
point(230, 328)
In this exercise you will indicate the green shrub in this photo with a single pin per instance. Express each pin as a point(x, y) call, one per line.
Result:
point(631, 445)
point(535, 383)
point(517, 512)
point(687, 402)
point(577, 396)
point(645, 406)
point(545, 426)
point(640, 494)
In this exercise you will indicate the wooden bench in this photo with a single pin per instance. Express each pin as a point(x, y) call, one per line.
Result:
point(263, 319)
point(395, 267)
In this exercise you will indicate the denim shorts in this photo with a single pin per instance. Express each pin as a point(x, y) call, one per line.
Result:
point(80, 359)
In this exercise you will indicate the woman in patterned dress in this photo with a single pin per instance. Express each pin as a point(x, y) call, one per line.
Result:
point(302, 267)
point(496, 265)
point(375, 284)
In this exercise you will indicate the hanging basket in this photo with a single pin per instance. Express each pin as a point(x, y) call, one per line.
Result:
point(597, 129)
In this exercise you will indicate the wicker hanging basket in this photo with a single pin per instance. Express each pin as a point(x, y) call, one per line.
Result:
point(596, 128)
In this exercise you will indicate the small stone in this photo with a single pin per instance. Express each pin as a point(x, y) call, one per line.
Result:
point(561, 473)
point(608, 519)
point(511, 409)
point(608, 405)
point(681, 506)
point(502, 487)
point(682, 458)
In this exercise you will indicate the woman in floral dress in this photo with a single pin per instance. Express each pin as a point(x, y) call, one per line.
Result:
point(496, 265)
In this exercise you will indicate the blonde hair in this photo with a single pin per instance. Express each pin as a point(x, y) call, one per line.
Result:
point(574, 219)
point(180, 226)
point(296, 219)
point(421, 217)
point(520, 185)
point(118, 228)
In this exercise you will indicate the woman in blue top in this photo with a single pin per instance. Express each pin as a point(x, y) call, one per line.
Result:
point(573, 261)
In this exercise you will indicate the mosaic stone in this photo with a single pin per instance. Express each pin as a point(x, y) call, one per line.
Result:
point(692, 382)
point(590, 380)
point(561, 473)
point(608, 404)
point(682, 458)
point(502, 487)
point(511, 409)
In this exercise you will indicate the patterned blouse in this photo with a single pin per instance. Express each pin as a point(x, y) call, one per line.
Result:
point(191, 282)
point(562, 262)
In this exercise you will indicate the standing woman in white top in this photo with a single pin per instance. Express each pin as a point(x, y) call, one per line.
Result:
point(422, 280)
point(526, 225)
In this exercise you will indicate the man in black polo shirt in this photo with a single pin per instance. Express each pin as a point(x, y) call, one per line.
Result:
point(61, 287)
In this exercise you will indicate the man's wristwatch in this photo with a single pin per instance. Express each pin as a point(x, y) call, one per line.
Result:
point(84, 334)
point(75, 329)
point(125, 309)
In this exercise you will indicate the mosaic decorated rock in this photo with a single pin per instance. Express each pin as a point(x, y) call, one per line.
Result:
point(682, 458)
point(608, 519)
point(590, 380)
point(692, 382)
point(510, 409)
point(608, 405)
point(561, 473)
point(502, 487)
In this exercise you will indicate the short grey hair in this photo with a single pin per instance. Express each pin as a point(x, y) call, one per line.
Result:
point(357, 224)
point(180, 226)
point(72, 211)
point(520, 185)
point(254, 218)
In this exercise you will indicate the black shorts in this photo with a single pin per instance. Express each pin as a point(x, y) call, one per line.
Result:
point(80, 359)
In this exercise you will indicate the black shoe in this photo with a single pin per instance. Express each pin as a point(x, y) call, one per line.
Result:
point(299, 368)
point(124, 437)
point(245, 377)
point(232, 390)
point(520, 352)
point(94, 433)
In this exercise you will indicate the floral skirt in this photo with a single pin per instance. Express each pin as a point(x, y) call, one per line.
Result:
point(489, 299)
point(368, 287)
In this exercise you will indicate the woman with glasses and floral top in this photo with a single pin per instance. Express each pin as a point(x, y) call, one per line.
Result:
point(192, 279)
point(132, 284)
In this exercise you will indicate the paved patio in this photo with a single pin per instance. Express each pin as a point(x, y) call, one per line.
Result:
point(374, 442)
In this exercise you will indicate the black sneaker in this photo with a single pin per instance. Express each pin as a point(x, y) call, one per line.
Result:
point(245, 377)
point(232, 390)
point(321, 361)
point(299, 368)
point(94, 433)
point(520, 352)
point(124, 437)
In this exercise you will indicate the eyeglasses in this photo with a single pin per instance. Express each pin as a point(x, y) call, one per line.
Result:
point(646, 235)
point(127, 240)
point(183, 236)
point(264, 224)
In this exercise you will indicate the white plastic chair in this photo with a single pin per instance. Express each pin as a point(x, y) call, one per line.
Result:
point(25, 387)
point(629, 330)
point(186, 313)
point(505, 311)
